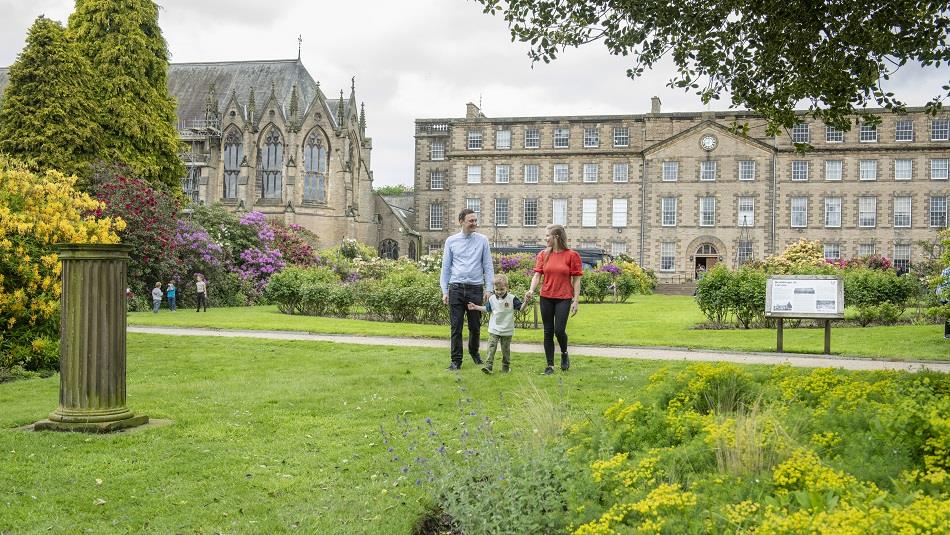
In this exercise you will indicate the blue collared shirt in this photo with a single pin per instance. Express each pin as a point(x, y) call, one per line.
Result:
point(467, 260)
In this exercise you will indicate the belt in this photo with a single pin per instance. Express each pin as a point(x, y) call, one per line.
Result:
point(462, 285)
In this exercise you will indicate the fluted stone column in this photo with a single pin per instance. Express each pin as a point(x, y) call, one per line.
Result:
point(92, 341)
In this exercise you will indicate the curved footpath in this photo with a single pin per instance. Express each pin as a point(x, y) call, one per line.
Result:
point(624, 352)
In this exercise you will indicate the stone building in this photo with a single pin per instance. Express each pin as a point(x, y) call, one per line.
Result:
point(262, 135)
point(676, 191)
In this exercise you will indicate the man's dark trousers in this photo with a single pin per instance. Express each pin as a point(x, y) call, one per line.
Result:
point(460, 295)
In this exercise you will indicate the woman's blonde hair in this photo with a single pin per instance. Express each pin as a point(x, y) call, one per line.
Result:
point(560, 238)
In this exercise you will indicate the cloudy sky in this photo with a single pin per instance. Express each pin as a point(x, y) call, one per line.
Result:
point(412, 59)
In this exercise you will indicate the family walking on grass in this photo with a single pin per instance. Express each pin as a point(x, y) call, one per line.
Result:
point(470, 287)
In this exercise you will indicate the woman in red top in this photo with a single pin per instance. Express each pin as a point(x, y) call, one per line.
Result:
point(560, 270)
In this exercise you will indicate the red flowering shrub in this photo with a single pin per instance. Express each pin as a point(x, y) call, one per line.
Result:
point(152, 223)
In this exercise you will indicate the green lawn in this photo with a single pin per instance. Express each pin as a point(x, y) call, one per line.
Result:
point(654, 320)
point(268, 436)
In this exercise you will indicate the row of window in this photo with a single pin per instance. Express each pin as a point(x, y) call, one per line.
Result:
point(800, 171)
point(868, 169)
point(867, 211)
point(669, 207)
point(560, 139)
point(801, 133)
point(832, 251)
point(530, 212)
point(531, 174)
point(868, 133)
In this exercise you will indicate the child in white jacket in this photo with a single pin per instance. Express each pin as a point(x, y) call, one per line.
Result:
point(501, 325)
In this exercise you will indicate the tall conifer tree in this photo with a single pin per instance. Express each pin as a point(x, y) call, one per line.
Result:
point(124, 44)
point(48, 115)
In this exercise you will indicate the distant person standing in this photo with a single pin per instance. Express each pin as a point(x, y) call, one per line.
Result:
point(943, 294)
point(170, 294)
point(201, 291)
point(558, 269)
point(156, 297)
point(467, 277)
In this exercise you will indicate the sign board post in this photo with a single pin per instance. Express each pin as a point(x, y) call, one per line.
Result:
point(819, 297)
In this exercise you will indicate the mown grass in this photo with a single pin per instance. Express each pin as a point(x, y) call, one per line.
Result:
point(268, 436)
point(654, 320)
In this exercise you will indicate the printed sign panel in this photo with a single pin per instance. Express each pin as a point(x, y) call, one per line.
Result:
point(804, 296)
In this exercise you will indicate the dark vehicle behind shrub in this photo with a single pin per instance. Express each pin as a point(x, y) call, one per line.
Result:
point(589, 257)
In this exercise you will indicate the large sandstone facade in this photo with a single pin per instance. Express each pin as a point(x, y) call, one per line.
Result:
point(261, 135)
point(676, 191)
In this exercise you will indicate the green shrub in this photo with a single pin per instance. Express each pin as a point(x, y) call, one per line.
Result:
point(287, 290)
point(713, 294)
point(864, 287)
point(341, 299)
point(595, 285)
point(747, 295)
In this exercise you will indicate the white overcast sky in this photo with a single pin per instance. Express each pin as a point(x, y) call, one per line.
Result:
point(411, 58)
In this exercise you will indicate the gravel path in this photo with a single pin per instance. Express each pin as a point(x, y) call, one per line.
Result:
point(627, 352)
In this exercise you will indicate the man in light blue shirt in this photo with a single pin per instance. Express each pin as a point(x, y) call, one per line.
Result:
point(467, 277)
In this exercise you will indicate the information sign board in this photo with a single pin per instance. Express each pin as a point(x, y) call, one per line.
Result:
point(804, 296)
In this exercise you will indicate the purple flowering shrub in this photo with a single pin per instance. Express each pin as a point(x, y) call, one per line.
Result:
point(280, 245)
point(514, 262)
point(257, 266)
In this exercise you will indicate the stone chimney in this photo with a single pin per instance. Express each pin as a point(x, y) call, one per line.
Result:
point(472, 111)
point(655, 105)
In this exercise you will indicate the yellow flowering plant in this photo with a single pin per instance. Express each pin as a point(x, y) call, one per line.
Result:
point(714, 448)
point(36, 212)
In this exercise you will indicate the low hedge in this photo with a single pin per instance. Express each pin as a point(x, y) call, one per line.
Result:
point(877, 296)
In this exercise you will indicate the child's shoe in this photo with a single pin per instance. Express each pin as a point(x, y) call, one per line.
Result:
point(487, 370)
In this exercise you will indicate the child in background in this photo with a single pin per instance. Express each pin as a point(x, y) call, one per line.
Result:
point(501, 326)
point(157, 297)
point(171, 293)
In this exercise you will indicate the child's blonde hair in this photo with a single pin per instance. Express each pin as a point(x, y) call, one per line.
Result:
point(501, 278)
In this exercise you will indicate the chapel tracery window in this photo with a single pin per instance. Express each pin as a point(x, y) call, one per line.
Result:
point(389, 249)
point(315, 168)
point(233, 155)
point(271, 163)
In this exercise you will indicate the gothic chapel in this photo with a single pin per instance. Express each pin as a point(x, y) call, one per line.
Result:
point(261, 135)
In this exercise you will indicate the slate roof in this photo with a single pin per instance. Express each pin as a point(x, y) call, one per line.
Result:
point(189, 83)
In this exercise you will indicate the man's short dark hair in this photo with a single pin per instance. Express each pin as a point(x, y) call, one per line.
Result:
point(464, 213)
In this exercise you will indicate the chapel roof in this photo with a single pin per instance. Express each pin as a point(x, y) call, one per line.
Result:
point(189, 84)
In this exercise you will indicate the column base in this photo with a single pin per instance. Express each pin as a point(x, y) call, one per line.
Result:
point(91, 427)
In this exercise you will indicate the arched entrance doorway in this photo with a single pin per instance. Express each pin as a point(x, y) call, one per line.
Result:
point(389, 249)
point(705, 258)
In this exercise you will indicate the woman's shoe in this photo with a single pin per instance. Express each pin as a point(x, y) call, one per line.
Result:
point(565, 362)
point(549, 370)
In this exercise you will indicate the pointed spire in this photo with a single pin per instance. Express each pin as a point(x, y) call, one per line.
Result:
point(353, 85)
point(294, 105)
point(299, 44)
point(273, 89)
point(339, 111)
point(211, 106)
point(251, 109)
point(362, 118)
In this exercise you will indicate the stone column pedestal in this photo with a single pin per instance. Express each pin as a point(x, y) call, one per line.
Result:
point(92, 342)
